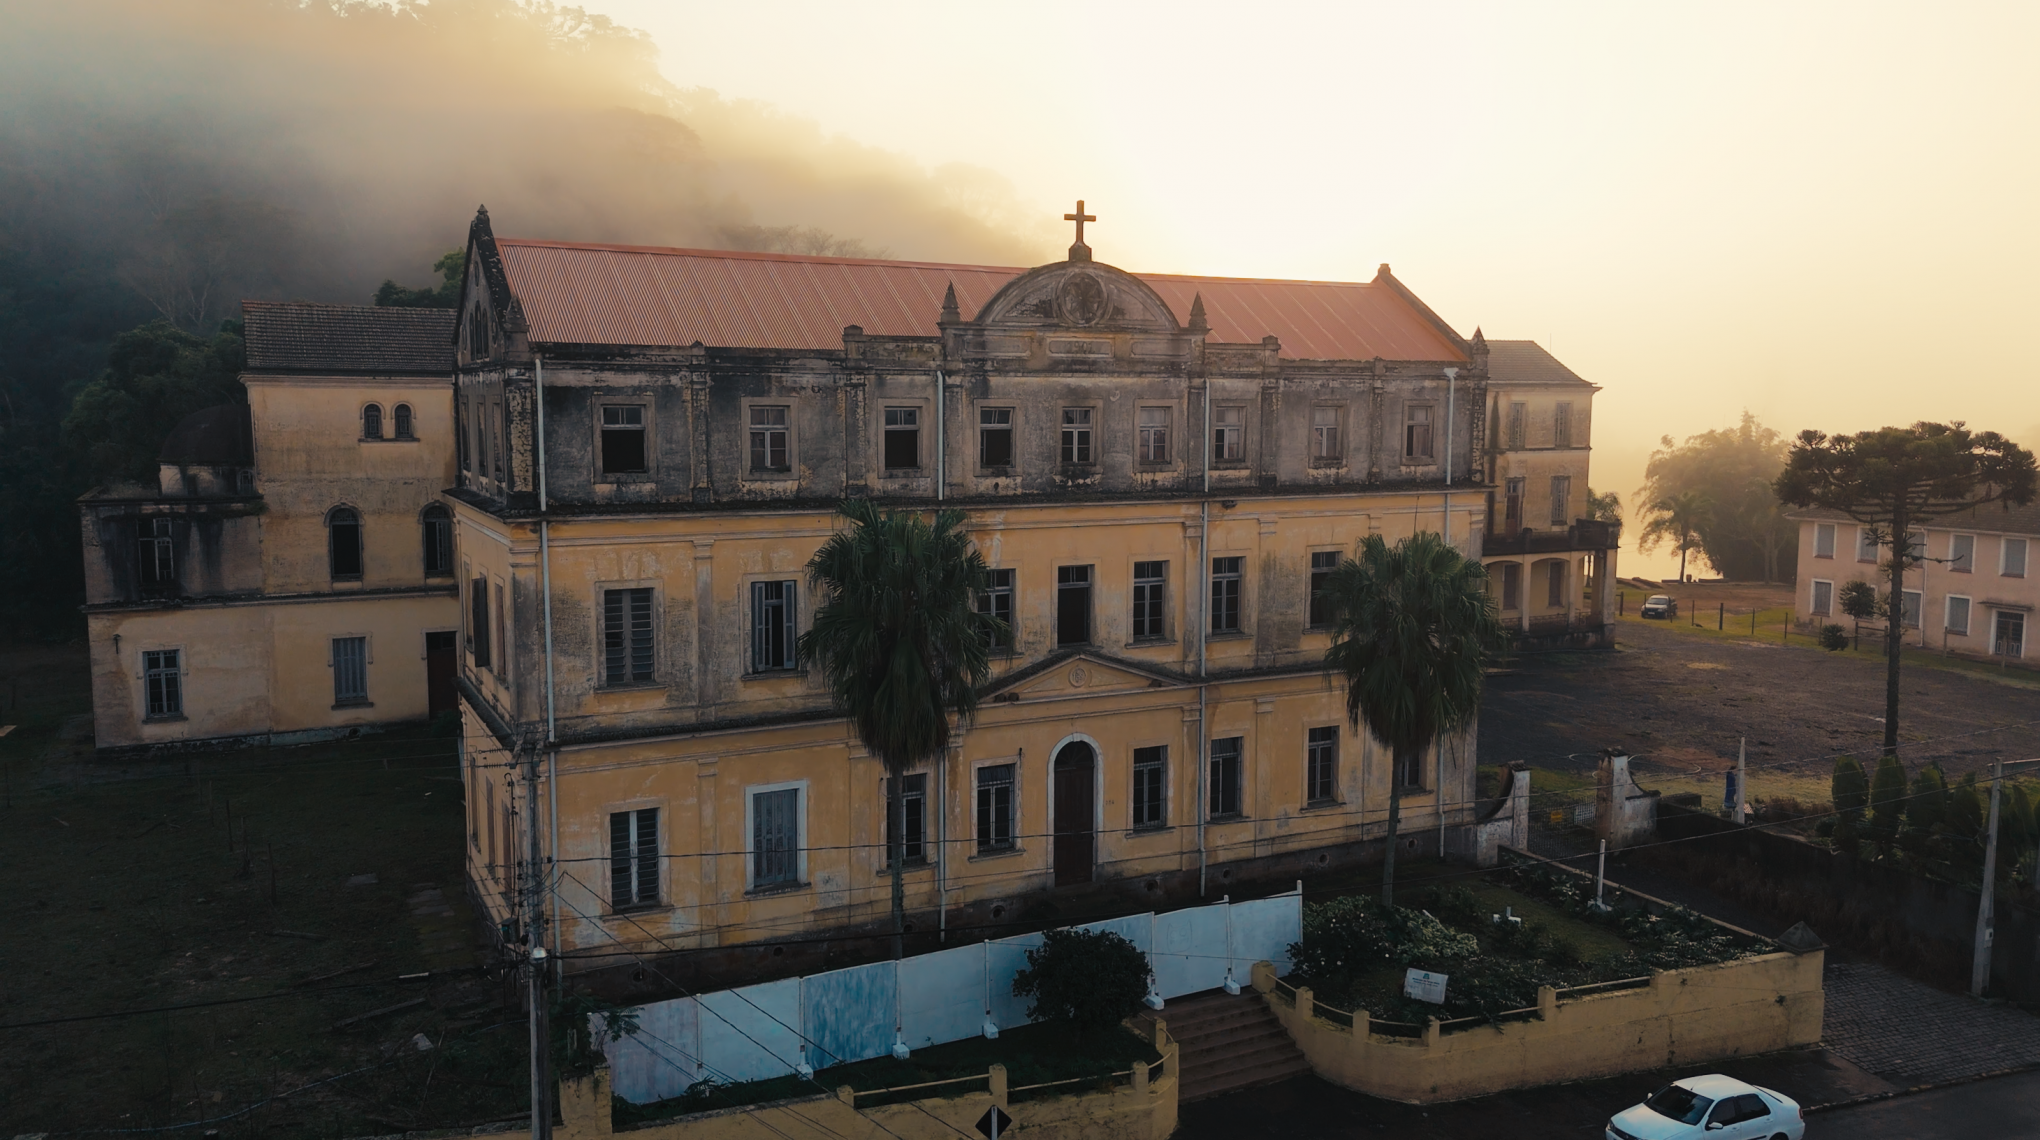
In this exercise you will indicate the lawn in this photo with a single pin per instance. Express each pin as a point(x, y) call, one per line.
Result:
point(227, 956)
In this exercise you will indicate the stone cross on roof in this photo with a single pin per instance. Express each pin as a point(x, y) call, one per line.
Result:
point(1080, 251)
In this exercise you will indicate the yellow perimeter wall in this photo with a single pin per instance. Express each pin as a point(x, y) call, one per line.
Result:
point(1684, 1017)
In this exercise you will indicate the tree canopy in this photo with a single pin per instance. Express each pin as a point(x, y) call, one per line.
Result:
point(155, 376)
point(452, 268)
point(1744, 534)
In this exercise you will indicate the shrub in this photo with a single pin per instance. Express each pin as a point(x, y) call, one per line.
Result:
point(1349, 936)
point(1833, 638)
point(1887, 799)
point(580, 1023)
point(1089, 979)
point(1851, 789)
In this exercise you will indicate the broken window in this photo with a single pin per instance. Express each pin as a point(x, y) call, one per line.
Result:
point(995, 437)
point(1326, 440)
point(914, 814)
point(1417, 432)
point(1512, 510)
point(902, 439)
point(997, 602)
point(1073, 605)
point(1154, 435)
point(438, 535)
point(1322, 564)
point(1228, 433)
point(156, 556)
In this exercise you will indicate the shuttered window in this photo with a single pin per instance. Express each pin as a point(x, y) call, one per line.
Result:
point(478, 621)
point(775, 837)
point(634, 858)
point(626, 636)
point(772, 626)
point(350, 670)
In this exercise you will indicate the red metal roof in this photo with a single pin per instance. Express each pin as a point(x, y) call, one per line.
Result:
point(642, 295)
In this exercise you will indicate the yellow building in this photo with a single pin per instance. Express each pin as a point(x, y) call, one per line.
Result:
point(1156, 468)
point(290, 576)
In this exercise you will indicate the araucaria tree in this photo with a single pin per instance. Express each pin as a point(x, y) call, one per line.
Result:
point(1413, 626)
point(899, 639)
point(1896, 479)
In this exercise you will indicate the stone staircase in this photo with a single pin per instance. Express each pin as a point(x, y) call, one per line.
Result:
point(1229, 1043)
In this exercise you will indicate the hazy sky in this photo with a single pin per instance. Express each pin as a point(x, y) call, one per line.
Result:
point(1823, 213)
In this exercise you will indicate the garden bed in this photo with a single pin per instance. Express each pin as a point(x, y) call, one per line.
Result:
point(1046, 1053)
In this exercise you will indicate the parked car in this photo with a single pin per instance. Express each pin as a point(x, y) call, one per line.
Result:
point(1659, 606)
point(1712, 1107)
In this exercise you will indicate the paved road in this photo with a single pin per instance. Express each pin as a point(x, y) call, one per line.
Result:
point(2003, 1108)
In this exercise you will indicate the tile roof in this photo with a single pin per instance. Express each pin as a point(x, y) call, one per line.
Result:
point(301, 337)
point(1526, 362)
point(640, 295)
point(1991, 518)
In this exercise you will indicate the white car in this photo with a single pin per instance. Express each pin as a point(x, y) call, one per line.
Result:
point(1712, 1107)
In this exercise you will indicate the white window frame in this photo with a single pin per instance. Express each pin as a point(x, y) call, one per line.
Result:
point(1964, 563)
point(1016, 801)
point(1948, 614)
point(1823, 534)
point(1813, 606)
point(790, 429)
point(2004, 556)
point(1133, 770)
point(1916, 601)
point(1862, 540)
point(800, 835)
point(183, 671)
point(752, 632)
point(1994, 612)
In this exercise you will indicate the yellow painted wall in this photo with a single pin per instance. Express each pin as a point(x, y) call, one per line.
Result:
point(1683, 1018)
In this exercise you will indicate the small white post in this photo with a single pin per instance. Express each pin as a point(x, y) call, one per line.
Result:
point(1742, 776)
point(1601, 878)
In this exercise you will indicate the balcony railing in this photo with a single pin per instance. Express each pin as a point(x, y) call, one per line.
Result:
point(1583, 534)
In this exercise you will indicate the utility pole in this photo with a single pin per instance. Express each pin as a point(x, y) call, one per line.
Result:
point(535, 964)
point(1986, 907)
point(1742, 775)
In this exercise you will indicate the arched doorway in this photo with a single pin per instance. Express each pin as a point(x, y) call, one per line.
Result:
point(1075, 813)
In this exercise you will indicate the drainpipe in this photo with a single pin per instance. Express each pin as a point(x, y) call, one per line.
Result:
point(941, 451)
point(1203, 621)
point(545, 589)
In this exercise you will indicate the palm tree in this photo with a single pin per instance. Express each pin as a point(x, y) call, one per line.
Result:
point(899, 639)
point(1413, 627)
point(1678, 516)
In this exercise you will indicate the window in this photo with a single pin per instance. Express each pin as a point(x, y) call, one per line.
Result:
point(1512, 505)
point(623, 439)
point(1554, 596)
point(995, 808)
point(1823, 604)
point(1228, 433)
point(902, 439)
point(772, 626)
point(1154, 435)
point(995, 437)
point(496, 451)
point(1823, 540)
point(1326, 445)
point(438, 534)
point(155, 555)
point(1512, 585)
point(768, 439)
point(371, 422)
point(1076, 435)
point(775, 838)
point(1519, 414)
point(1417, 431)
point(1561, 499)
point(502, 660)
point(460, 433)
point(1909, 610)
point(997, 601)
point(478, 621)
point(1150, 786)
point(1409, 769)
point(1225, 594)
point(1962, 553)
point(1958, 615)
point(343, 544)
point(1073, 605)
point(165, 683)
point(914, 811)
point(1561, 426)
point(1150, 599)
point(627, 636)
point(1223, 796)
point(481, 426)
point(350, 671)
point(2008, 634)
point(402, 415)
point(1322, 563)
point(633, 858)
point(1866, 544)
point(2013, 564)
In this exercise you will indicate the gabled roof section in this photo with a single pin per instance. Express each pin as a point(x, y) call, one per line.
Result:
point(1526, 362)
point(326, 340)
point(577, 293)
point(1077, 671)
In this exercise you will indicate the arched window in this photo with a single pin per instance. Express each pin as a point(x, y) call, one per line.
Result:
point(371, 422)
point(343, 543)
point(438, 542)
point(402, 414)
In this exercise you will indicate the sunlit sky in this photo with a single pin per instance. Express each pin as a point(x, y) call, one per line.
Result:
point(1822, 213)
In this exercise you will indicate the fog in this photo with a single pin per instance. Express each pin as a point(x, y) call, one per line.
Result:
point(214, 149)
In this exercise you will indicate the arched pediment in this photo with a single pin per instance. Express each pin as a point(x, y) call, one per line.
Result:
point(1078, 295)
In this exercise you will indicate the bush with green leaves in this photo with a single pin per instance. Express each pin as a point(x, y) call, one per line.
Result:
point(1089, 979)
point(1833, 638)
point(580, 1023)
point(1851, 790)
point(1350, 936)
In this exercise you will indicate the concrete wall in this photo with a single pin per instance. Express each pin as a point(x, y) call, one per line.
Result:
point(1682, 1018)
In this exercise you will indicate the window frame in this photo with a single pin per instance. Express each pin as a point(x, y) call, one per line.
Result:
point(1148, 803)
point(357, 699)
point(371, 422)
point(1219, 442)
point(433, 517)
point(156, 553)
point(634, 861)
point(1948, 614)
point(1412, 762)
point(1322, 453)
point(1827, 530)
point(1557, 575)
point(403, 423)
point(752, 850)
point(1009, 430)
point(756, 609)
point(1864, 538)
point(172, 675)
point(1154, 444)
point(1912, 605)
point(479, 641)
point(354, 521)
point(1814, 605)
point(1234, 574)
point(1516, 427)
point(631, 593)
point(1515, 503)
point(1561, 500)
point(887, 430)
point(910, 792)
point(1317, 605)
point(988, 841)
point(1320, 765)
point(788, 444)
point(2005, 547)
point(1561, 424)
point(1152, 593)
point(647, 471)
point(1511, 587)
point(1089, 586)
point(1002, 582)
point(1964, 562)
point(1234, 785)
point(1077, 441)
point(1410, 454)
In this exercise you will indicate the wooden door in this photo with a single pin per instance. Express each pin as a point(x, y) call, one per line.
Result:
point(1075, 811)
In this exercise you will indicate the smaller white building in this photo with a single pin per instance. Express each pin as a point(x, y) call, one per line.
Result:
point(1974, 593)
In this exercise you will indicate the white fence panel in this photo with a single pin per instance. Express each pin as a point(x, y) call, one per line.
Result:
point(1262, 931)
point(659, 1060)
point(1004, 958)
point(850, 1013)
point(942, 996)
point(752, 1033)
point(1189, 954)
point(1135, 928)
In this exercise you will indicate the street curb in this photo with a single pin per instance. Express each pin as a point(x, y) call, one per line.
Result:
point(1873, 1098)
